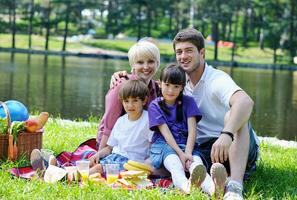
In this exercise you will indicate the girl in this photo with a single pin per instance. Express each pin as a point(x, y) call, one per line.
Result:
point(173, 118)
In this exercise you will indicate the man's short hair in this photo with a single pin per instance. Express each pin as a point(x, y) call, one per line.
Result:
point(134, 89)
point(144, 49)
point(190, 35)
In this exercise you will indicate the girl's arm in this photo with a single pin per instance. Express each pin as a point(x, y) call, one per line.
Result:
point(100, 154)
point(191, 135)
point(191, 139)
point(171, 141)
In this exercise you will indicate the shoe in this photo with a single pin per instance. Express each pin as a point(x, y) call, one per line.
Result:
point(198, 175)
point(52, 160)
point(218, 174)
point(36, 160)
point(233, 191)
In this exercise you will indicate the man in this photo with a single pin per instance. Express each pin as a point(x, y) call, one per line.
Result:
point(224, 134)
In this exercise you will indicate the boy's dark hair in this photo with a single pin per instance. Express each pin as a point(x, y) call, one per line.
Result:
point(190, 35)
point(134, 89)
point(174, 74)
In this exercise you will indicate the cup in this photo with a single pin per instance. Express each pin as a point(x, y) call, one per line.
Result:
point(112, 172)
point(71, 173)
point(82, 167)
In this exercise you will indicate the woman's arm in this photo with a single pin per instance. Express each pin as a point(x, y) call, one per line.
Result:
point(113, 110)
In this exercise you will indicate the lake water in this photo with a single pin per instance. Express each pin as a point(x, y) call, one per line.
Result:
point(74, 87)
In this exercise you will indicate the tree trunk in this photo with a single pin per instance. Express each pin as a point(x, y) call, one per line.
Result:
point(149, 19)
point(139, 22)
point(48, 11)
point(234, 37)
point(66, 26)
point(13, 27)
point(245, 28)
point(274, 54)
point(292, 29)
point(215, 37)
point(30, 23)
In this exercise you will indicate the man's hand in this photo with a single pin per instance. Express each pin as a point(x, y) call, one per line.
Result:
point(220, 149)
point(116, 77)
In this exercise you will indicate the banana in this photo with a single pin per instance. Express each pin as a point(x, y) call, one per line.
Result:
point(127, 166)
point(140, 165)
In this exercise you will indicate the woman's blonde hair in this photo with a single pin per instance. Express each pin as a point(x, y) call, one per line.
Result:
point(144, 49)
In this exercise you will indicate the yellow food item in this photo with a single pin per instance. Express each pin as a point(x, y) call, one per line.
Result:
point(140, 165)
point(128, 166)
point(111, 178)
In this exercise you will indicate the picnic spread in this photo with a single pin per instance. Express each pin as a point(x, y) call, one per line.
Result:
point(21, 134)
point(136, 177)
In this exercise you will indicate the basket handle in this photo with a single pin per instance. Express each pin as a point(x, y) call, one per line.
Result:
point(6, 110)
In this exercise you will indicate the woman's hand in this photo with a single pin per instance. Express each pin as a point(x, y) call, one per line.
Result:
point(116, 77)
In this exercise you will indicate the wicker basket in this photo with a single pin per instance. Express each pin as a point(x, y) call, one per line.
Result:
point(26, 142)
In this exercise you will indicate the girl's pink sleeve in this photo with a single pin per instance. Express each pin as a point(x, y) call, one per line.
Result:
point(113, 110)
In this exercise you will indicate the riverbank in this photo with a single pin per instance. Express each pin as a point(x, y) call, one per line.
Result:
point(275, 177)
point(113, 54)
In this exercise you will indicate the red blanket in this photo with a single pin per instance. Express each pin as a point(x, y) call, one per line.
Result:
point(84, 151)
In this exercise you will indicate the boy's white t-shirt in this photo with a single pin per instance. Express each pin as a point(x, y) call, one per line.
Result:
point(131, 138)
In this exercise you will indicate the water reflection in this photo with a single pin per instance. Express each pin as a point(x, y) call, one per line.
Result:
point(74, 87)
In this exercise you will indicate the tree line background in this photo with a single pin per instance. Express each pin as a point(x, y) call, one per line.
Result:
point(266, 23)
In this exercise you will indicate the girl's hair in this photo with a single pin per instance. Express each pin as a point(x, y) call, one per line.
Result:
point(134, 89)
point(144, 49)
point(174, 74)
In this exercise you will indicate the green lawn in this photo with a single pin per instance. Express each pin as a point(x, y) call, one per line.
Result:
point(252, 54)
point(275, 178)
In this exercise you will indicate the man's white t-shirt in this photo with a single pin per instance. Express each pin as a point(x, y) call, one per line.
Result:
point(131, 138)
point(212, 95)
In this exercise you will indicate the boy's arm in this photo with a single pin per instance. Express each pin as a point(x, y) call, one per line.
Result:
point(171, 141)
point(100, 154)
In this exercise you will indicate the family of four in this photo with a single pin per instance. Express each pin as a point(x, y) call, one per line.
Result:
point(193, 122)
point(195, 119)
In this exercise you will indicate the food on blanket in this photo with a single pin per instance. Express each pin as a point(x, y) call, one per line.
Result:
point(134, 179)
point(138, 167)
point(96, 175)
point(54, 174)
point(17, 111)
point(34, 124)
point(111, 178)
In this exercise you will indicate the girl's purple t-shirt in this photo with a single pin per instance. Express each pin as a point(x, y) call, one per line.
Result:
point(179, 130)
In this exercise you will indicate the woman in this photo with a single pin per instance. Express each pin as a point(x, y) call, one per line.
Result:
point(144, 59)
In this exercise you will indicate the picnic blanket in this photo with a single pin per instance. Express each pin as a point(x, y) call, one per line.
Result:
point(84, 151)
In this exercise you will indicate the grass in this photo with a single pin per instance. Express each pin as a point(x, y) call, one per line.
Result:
point(275, 178)
point(252, 54)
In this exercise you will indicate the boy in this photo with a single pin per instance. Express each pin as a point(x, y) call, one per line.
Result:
point(130, 137)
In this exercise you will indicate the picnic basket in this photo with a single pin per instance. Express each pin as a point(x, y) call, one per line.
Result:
point(26, 142)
